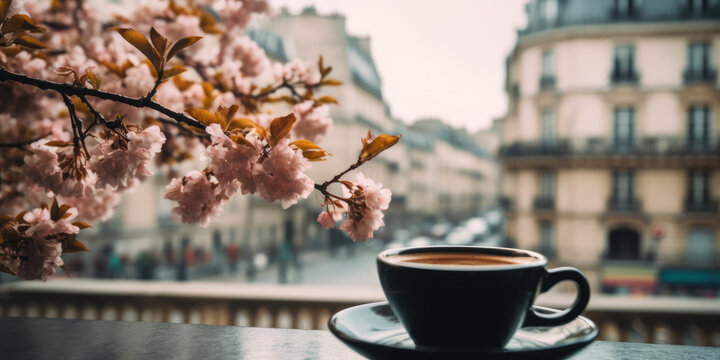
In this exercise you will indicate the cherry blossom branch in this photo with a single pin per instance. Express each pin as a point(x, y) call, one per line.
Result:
point(152, 92)
point(78, 135)
point(112, 125)
point(21, 144)
point(323, 187)
point(71, 89)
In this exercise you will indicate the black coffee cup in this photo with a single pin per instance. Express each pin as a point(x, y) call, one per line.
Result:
point(471, 296)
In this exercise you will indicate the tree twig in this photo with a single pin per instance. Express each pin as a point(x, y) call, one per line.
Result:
point(70, 89)
point(23, 143)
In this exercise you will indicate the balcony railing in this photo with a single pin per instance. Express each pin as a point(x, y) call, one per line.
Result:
point(603, 147)
point(700, 76)
point(547, 82)
point(624, 77)
point(706, 206)
point(544, 203)
point(630, 205)
point(620, 318)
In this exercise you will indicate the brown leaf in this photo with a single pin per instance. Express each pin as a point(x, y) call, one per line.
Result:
point(57, 143)
point(331, 82)
point(20, 22)
point(54, 210)
point(94, 80)
point(159, 42)
point(316, 155)
point(19, 217)
point(140, 42)
point(238, 137)
point(378, 145)
point(182, 84)
point(4, 6)
point(280, 127)
point(30, 42)
point(182, 44)
point(303, 144)
point(63, 211)
point(241, 123)
point(327, 100)
point(150, 66)
point(81, 224)
point(208, 24)
point(206, 117)
point(74, 246)
point(80, 106)
point(175, 70)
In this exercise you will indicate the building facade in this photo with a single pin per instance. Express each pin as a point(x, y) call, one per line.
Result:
point(610, 145)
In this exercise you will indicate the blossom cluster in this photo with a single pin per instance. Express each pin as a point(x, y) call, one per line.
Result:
point(93, 105)
point(34, 241)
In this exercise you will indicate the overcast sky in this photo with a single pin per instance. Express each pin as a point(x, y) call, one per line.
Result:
point(436, 58)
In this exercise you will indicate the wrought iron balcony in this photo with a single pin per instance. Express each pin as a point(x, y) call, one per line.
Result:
point(547, 82)
point(618, 77)
point(705, 206)
point(630, 205)
point(659, 151)
point(700, 76)
point(544, 203)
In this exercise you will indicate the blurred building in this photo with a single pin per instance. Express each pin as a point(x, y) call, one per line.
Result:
point(610, 145)
point(436, 172)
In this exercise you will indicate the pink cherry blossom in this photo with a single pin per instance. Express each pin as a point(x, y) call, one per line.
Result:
point(281, 175)
point(98, 207)
point(197, 195)
point(313, 123)
point(231, 162)
point(116, 168)
point(367, 200)
point(326, 219)
point(41, 256)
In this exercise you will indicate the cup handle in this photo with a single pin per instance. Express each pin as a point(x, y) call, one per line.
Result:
point(552, 277)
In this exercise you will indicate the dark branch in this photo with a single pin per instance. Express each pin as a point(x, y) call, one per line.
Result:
point(113, 125)
point(20, 144)
point(70, 89)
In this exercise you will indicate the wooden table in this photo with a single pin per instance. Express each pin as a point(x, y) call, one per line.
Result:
point(53, 339)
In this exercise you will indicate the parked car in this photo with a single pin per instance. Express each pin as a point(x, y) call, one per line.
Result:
point(420, 241)
point(460, 236)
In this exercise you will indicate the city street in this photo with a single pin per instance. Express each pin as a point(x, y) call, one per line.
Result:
point(318, 268)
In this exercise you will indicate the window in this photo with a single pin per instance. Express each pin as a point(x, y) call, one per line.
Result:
point(547, 63)
point(698, 187)
point(699, 62)
point(547, 185)
point(546, 238)
point(548, 127)
point(624, 128)
point(699, 122)
point(700, 248)
point(624, 8)
point(547, 79)
point(623, 186)
point(549, 12)
point(699, 7)
point(624, 63)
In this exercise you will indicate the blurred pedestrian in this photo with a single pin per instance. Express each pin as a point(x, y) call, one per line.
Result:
point(233, 254)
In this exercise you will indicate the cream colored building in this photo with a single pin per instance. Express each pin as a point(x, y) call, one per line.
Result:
point(610, 144)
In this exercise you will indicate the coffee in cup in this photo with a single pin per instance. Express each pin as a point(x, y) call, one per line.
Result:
point(471, 296)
